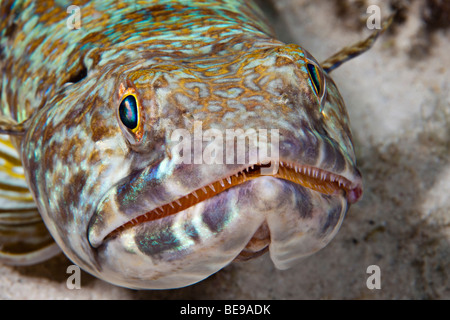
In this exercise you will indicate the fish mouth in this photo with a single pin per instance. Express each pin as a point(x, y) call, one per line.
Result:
point(310, 177)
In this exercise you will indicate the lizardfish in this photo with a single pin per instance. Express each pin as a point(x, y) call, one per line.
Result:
point(102, 106)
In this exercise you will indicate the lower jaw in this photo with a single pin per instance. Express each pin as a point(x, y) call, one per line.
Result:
point(238, 224)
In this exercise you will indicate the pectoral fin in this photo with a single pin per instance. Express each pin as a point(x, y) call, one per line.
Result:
point(11, 127)
point(24, 239)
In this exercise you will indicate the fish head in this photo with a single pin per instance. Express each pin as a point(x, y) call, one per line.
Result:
point(157, 173)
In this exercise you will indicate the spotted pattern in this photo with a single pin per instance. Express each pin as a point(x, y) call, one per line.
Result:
point(217, 62)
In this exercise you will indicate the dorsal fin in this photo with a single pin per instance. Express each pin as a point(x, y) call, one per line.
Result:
point(356, 49)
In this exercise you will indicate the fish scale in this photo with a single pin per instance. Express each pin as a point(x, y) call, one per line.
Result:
point(114, 195)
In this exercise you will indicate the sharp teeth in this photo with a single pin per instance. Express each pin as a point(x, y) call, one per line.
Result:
point(195, 194)
point(170, 204)
point(247, 169)
point(161, 209)
point(178, 202)
point(253, 166)
point(204, 190)
point(245, 177)
point(296, 169)
point(229, 180)
point(212, 187)
point(281, 163)
point(222, 184)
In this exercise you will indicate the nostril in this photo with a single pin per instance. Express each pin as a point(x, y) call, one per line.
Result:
point(77, 75)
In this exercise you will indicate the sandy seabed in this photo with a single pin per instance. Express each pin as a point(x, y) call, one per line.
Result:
point(398, 99)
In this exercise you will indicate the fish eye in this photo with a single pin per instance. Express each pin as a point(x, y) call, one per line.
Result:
point(129, 113)
point(314, 75)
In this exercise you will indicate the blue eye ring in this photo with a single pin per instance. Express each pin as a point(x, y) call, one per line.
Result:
point(129, 112)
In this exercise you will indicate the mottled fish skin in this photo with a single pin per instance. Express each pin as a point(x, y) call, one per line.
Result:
point(216, 62)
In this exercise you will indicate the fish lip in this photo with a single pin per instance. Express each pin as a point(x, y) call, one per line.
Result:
point(352, 188)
